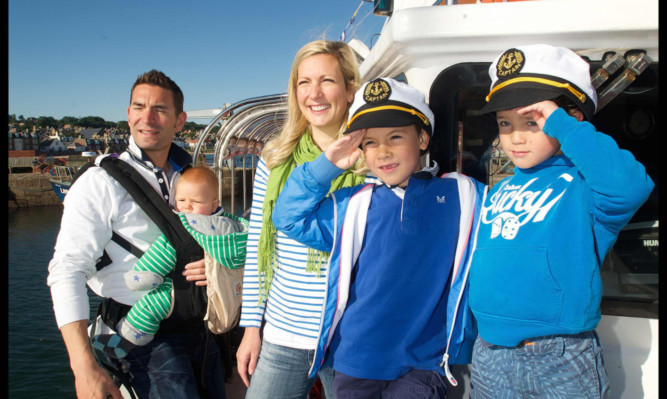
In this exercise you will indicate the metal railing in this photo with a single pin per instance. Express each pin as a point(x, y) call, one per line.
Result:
point(242, 129)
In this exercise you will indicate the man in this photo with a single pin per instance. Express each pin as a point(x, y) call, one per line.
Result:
point(98, 206)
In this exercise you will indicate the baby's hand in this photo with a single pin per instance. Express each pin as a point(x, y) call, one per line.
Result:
point(540, 111)
point(345, 151)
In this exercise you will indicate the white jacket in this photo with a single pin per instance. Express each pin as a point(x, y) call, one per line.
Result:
point(96, 206)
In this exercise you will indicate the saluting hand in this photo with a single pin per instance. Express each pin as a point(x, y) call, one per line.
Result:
point(540, 111)
point(345, 151)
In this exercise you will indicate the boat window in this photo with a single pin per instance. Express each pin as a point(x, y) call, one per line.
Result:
point(466, 141)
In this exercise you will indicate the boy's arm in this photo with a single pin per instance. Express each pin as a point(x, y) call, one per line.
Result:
point(302, 211)
point(620, 183)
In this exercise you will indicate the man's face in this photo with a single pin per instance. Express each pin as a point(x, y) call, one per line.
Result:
point(153, 120)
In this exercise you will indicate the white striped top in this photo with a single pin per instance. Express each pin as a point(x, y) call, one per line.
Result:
point(294, 307)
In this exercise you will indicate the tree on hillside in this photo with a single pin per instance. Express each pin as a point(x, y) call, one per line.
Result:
point(69, 120)
point(192, 126)
point(92, 121)
point(46, 121)
point(124, 126)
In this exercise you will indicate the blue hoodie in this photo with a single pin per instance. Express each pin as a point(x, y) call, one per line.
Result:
point(545, 231)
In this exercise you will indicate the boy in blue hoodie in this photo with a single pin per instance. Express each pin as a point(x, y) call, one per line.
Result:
point(396, 311)
point(535, 286)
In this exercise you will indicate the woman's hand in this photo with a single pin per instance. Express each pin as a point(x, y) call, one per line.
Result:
point(345, 151)
point(248, 353)
point(196, 271)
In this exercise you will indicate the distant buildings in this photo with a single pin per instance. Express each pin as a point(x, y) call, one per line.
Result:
point(51, 142)
point(23, 141)
point(76, 140)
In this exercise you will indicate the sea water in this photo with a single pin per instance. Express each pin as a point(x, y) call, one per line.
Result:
point(37, 359)
point(38, 363)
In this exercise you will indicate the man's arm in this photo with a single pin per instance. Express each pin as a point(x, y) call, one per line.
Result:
point(90, 380)
point(81, 241)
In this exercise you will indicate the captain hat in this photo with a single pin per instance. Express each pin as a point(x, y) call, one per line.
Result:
point(529, 74)
point(385, 102)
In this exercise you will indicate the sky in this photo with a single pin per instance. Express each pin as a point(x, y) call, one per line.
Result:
point(80, 58)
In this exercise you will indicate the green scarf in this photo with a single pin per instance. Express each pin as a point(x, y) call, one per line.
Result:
point(305, 151)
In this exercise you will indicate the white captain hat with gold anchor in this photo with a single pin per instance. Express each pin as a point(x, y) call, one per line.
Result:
point(525, 75)
point(386, 102)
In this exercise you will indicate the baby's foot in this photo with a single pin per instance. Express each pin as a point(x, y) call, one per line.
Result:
point(142, 280)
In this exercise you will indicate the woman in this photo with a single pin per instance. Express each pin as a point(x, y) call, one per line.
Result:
point(285, 281)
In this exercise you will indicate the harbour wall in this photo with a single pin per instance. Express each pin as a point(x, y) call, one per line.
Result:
point(31, 189)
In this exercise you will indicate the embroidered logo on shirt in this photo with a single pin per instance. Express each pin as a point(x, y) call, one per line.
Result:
point(441, 200)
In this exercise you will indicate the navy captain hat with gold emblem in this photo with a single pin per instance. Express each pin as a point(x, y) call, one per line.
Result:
point(529, 74)
point(385, 102)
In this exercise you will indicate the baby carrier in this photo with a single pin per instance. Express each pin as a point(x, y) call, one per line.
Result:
point(190, 300)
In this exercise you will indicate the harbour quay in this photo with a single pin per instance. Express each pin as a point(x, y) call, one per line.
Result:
point(31, 190)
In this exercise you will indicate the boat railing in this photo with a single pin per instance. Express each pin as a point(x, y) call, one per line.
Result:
point(242, 129)
point(63, 173)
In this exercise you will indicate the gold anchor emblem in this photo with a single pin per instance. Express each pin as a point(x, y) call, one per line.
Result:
point(377, 91)
point(375, 88)
point(510, 63)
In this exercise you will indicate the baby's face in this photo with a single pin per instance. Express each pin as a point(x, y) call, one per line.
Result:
point(195, 197)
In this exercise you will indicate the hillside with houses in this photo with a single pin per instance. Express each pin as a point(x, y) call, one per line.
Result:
point(32, 138)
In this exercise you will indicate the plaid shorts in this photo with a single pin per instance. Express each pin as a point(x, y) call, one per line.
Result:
point(554, 366)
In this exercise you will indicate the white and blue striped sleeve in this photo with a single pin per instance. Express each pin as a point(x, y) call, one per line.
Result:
point(252, 309)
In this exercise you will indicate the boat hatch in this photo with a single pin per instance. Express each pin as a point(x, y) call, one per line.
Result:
point(465, 140)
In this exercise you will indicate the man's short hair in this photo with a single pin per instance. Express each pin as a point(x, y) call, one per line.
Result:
point(158, 78)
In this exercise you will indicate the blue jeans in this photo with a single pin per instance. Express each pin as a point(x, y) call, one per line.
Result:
point(175, 366)
point(282, 373)
point(555, 366)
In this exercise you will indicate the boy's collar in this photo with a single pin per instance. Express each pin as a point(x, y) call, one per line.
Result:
point(425, 173)
point(556, 160)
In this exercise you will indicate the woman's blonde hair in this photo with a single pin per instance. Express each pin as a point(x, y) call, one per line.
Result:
point(280, 148)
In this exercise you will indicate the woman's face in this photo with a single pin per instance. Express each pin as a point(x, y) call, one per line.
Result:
point(321, 93)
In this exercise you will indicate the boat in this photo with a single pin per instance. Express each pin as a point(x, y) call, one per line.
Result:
point(62, 179)
point(444, 49)
point(64, 174)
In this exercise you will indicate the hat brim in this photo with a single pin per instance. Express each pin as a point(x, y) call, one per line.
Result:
point(523, 95)
point(386, 118)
